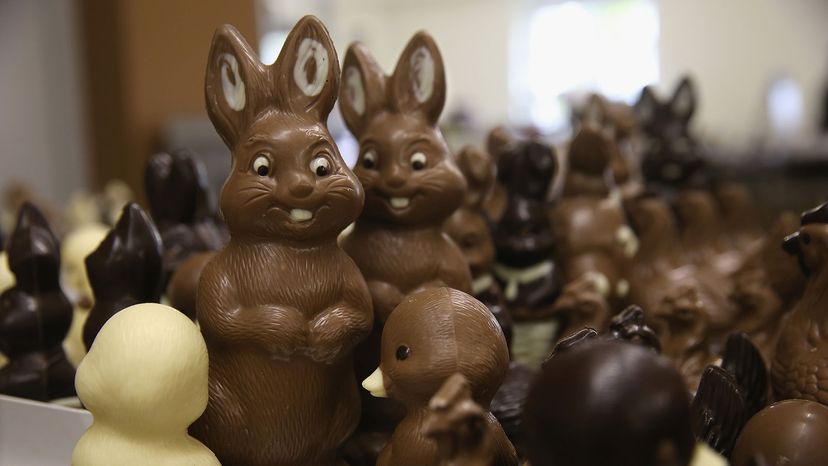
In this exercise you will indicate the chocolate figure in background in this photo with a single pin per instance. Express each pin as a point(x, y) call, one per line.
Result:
point(595, 245)
point(586, 421)
point(412, 184)
point(35, 314)
point(125, 269)
point(790, 433)
point(800, 364)
point(430, 336)
point(524, 245)
point(671, 159)
point(468, 226)
point(499, 141)
point(179, 201)
point(281, 306)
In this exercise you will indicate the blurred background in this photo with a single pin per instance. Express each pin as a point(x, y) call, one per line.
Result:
point(90, 88)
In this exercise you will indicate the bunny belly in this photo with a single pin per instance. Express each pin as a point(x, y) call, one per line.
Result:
point(263, 411)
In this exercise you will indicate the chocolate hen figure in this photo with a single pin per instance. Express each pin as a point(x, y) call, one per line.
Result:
point(35, 314)
point(281, 307)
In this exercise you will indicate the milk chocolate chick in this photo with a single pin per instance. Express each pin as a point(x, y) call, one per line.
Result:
point(606, 402)
point(800, 365)
point(124, 270)
point(35, 314)
point(431, 335)
point(281, 306)
point(789, 433)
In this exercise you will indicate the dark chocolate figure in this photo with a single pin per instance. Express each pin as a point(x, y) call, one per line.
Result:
point(800, 365)
point(431, 335)
point(468, 226)
point(789, 433)
point(179, 202)
point(35, 314)
point(608, 403)
point(671, 157)
point(281, 306)
point(718, 409)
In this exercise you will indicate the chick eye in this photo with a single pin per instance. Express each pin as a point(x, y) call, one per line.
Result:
point(321, 166)
point(403, 352)
point(418, 161)
point(369, 159)
point(261, 165)
point(806, 238)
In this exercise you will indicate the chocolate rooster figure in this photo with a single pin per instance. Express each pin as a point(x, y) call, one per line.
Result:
point(800, 365)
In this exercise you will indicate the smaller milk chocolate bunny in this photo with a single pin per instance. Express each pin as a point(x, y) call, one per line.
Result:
point(35, 314)
point(468, 226)
point(125, 269)
point(430, 336)
point(411, 181)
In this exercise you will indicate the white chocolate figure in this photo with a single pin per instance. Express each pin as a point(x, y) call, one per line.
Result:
point(145, 382)
point(76, 246)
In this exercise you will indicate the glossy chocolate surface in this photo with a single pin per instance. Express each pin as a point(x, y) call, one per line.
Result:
point(281, 306)
point(125, 269)
point(35, 314)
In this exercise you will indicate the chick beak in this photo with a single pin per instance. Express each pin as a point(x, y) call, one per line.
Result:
point(791, 244)
point(375, 385)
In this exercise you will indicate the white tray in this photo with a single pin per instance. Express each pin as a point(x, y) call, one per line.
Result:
point(39, 434)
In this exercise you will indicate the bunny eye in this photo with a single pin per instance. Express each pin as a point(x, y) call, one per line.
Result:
point(418, 161)
point(321, 166)
point(261, 165)
point(369, 159)
point(403, 352)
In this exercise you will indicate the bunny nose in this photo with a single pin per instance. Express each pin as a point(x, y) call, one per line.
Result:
point(395, 178)
point(300, 188)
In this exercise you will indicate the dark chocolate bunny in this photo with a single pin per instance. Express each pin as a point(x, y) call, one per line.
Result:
point(179, 202)
point(671, 157)
point(281, 307)
point(35, 314)
point(124, 270)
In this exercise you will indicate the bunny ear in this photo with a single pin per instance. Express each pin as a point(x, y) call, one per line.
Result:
point(646, 107)
point(595, 112)
point(307, 71)
point(479, 170)
point(419, 80)
point(363, 88)
point(684, 99)
point(33, 250)
point(233, 85)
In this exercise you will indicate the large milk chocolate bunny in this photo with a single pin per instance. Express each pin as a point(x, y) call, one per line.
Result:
point(281, 307)
point(411, 181)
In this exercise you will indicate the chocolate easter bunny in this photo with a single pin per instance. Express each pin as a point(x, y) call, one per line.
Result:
point(281, 306)
point(671, 157)
point(35, 314)
point(176, 188)
point(411, 181)
point(468, 226)
point(125, 269)
point(800, 363)
point(499, 140)
point(430, 336)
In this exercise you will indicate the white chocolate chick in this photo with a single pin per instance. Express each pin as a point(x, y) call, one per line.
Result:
point(76, 246)
point(144, 381)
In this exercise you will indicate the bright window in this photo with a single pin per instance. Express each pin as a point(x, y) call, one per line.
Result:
point(577, 47)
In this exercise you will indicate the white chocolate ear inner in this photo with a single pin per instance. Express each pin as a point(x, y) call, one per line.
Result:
point(355, 90)
point(311, 49)
point(233, 89)
point(422, 74)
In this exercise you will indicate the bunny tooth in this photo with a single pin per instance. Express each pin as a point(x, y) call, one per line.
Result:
point(300, 215)
point(400, 202)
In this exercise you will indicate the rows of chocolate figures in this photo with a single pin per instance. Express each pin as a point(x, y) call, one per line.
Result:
point(640, 318)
